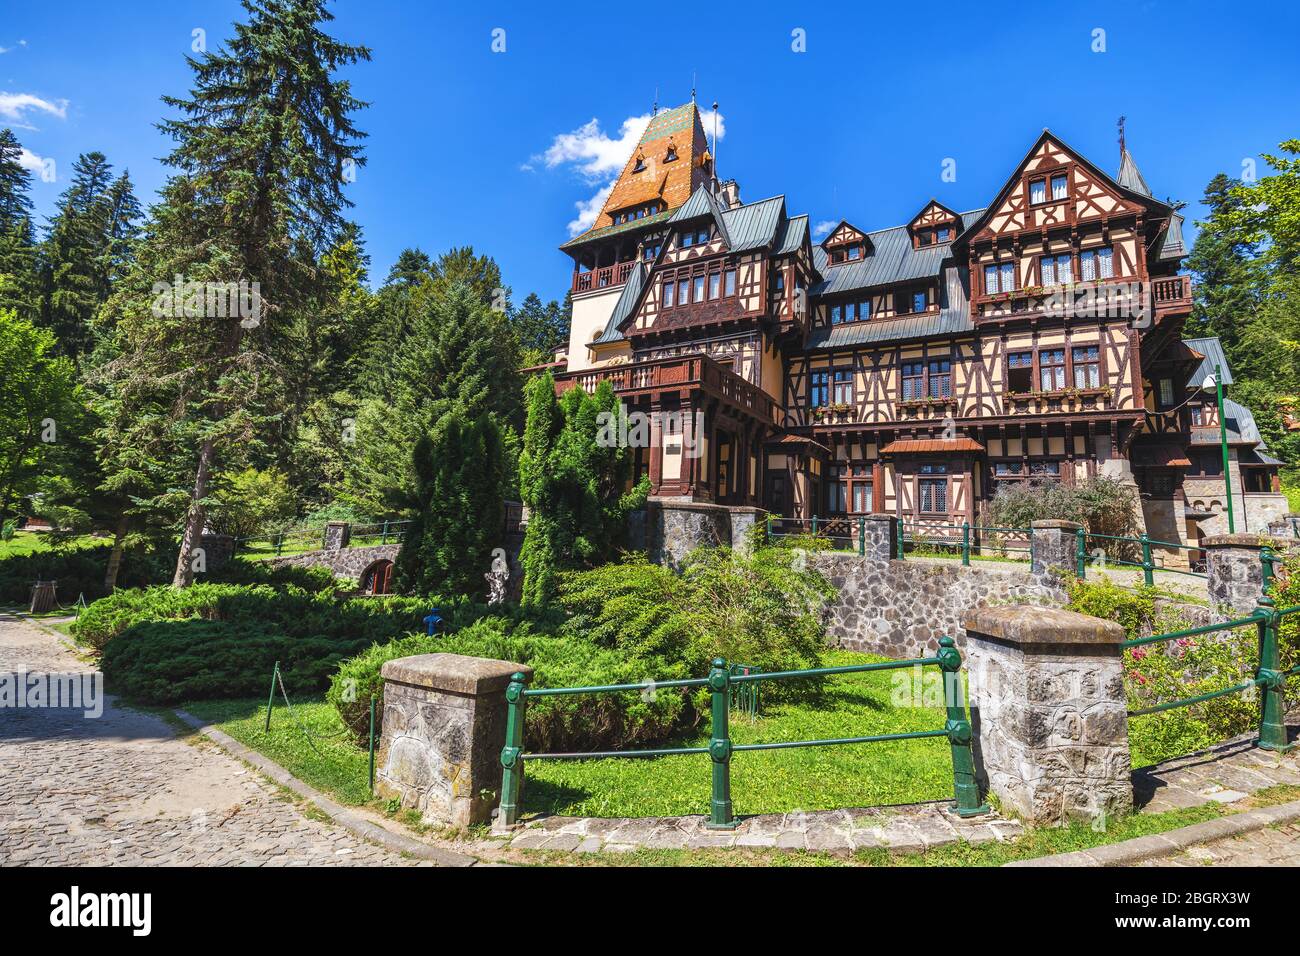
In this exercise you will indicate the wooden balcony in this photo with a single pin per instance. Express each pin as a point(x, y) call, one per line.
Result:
point(1172, 293)
point(1105, 298)
point(694, 372)
point(606, 277)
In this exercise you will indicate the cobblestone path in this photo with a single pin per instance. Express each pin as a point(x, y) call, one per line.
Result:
point(122, 789)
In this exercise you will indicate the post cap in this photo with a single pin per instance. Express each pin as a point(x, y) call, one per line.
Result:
point(453, 672)
point(1063, 525)
point(1030, 624)
point(1233, 541)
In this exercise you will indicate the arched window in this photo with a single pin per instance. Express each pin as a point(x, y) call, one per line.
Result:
point(378, 577)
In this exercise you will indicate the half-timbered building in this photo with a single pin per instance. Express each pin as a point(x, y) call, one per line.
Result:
point(911, 370)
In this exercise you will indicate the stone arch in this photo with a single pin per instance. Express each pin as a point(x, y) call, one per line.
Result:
point(377, 578)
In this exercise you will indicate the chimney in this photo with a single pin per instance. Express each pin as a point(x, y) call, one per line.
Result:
point(729, 194)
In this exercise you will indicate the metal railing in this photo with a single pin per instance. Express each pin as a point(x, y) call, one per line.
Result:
point(964, 540)
point(1142, 546)
point(1269, 677)
point(721, 683)
point(297, 540)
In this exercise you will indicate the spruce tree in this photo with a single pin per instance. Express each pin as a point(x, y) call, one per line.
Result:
point(448, 545)
point(262, 145)
point(19, 268)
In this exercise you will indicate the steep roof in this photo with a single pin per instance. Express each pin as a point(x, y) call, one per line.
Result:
point(702, 203)
point(626, 303)
point(755, 225)
point(891, 257)
point(1212, 349)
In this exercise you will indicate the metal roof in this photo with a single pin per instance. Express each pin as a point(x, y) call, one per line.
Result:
point(702, 203)
point(953, 318)
point(591, 234)
point(904, 446)
point(1212, 349)
point(790, 237)
point(754, 225)
point(1129, 176)
point(890, 258)
point(626, 303)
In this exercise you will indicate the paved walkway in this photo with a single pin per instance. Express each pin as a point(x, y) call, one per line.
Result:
point(1225, 774)
point(123, 789)
point(1272, 846)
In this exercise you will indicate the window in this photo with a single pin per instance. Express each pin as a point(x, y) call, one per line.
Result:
point(1045, 469)
point(1020, 372)
point(1087, 371)
point(943, 233)
point(729, 282)
point(669, 286)
point(1096, 264)
point(1166, 393)
point(925, 237)
point(843, 392)
point(861, 488)
point(715, 284)
point(855, 252)
point(837, 492)
point(906, 303)
point(1008, 469)
point(837, 314)
point(1000, 278)
point(1198, 415)
point(913, 380)
point(1162, 485)
point(778, 280)
point(683, 291)
point(818, 394)
point(919, 302)
point(1037, 191)
point(939, 384)
point(640, 164)
point(1051, 370)
point(1056, 269)
point(651, 251)
point(933, 495)
point(850, 312)
point(671, 154)
point(695, 237)
point(1059, 186)
point(698, 283)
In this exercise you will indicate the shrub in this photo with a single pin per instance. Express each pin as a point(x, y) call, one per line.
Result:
point(1102, 505)
point(1172, 670)
point(79, 570)
point(762, 609)
point(251, 502)
point(229, 636)
point(578, 722)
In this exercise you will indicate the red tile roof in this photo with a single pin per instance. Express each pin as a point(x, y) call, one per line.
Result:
point(914, 446)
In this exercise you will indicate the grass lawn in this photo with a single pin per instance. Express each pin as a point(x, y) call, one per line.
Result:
point(774, 781)
point(29, 542)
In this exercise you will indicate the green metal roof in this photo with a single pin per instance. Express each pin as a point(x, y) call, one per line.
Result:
point(591, 234)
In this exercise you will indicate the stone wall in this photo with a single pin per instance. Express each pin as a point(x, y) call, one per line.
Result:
point(674, 528)
point(344, 562)
point(902, 608)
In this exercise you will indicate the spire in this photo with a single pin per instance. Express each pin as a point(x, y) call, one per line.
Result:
point(1129, 176)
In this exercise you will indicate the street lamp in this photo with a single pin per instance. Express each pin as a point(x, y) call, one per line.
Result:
point(1215, 382)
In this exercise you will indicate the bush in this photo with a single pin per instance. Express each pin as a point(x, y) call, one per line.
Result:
point(763, 610)
point(79, 570)
point(572, 723)
point(1172, 670)
point(1102, 505)
point(229, 637)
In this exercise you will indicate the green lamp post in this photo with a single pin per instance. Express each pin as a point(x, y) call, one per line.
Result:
point(1215, 381)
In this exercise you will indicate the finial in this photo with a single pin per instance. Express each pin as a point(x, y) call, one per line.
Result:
point(1120, 124)
point(692, 87)
point(654, 108)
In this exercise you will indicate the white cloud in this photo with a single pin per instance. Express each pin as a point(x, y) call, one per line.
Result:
point(824, 227)
point(14, 107)
point(595, 155)
point(40, 165)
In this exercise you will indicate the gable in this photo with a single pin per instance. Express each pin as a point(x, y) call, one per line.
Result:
point(1031, 200)
point(842, 235)
point(935, 213)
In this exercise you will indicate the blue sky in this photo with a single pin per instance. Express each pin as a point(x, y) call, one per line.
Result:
point(497, 150)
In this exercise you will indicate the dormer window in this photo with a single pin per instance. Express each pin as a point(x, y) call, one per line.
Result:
point(695, 237)
point(640, 164)
point(849, 253)
point(671, 154)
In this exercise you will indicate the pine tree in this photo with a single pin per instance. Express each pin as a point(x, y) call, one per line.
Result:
point(19, 269)
point(448, 545)
point(458, 356)
point(262, 143)
point(1224, 261)
point(539, 329)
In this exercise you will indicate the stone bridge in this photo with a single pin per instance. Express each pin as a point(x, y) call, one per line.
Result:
point(343, 562)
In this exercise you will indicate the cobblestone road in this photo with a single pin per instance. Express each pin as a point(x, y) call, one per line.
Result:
point(122, 789)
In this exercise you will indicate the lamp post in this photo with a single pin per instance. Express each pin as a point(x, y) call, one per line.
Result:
point(1216, 381)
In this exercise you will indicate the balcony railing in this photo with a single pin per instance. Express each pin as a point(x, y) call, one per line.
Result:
point(693, 370)
point(603, 278)
point(1103, 298)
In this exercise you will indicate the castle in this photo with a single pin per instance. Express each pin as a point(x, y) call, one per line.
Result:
point(911, 370)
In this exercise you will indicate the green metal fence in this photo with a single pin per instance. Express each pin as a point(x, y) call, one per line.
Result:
point(1129, 552)
point(297, 540)
point(721, 683)
point(1269, 677)
point(963, 540)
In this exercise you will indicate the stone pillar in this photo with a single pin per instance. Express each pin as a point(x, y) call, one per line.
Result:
point(1287, 526)
point(881, 536)
point(444, 726)
point(1049, 713)
point(337, 535)
point(1055, 547)
point(743, 520)
point(218, 549)
point(1235, 577)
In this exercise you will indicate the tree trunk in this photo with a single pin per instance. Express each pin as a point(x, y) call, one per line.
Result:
point(115, 556)
point(194, 519)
